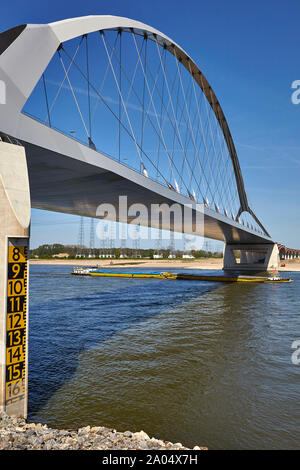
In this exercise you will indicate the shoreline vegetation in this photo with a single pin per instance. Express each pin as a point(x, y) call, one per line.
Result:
point(18, 434)
point(114, 258)
point(197, 263)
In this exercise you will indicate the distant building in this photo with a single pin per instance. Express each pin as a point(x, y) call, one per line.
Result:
point(61, 255)
point(188, 256)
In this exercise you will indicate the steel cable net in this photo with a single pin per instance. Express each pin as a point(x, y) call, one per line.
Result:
point(122, 93)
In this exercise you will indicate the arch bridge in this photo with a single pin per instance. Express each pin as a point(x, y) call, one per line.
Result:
point(107, 106)
point(287, 253)
point(99, 107)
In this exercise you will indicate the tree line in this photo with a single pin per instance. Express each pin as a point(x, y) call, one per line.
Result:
point(48, 251)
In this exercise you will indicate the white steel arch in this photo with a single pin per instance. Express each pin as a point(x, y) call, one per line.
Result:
point(26, 51)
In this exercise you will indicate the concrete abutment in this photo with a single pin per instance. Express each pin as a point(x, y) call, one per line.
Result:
point(259, 258)
point(15, 210)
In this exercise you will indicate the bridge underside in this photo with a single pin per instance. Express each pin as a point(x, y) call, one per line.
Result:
point(71, 185)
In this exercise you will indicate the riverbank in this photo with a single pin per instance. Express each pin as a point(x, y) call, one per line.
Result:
point(205, 263)
point(17, 434)
point(202, 263)
point(290, 265)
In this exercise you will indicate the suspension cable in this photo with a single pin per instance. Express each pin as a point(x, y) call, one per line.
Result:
point(46, 97)
point(113, 113)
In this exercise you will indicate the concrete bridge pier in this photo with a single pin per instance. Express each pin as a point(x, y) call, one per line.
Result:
point(14, 244)
point(242, 257)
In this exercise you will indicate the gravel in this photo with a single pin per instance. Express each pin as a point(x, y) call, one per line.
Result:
point(18, 434)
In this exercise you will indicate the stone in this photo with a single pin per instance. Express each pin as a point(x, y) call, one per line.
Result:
point(86, 429)
point(140, 435)
point(16, 434)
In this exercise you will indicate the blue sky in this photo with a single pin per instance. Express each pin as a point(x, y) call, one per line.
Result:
point(249, 53)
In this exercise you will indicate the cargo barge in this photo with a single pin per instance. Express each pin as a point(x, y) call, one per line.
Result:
point(96, 272)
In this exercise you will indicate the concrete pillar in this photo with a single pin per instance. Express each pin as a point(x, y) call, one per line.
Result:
point(14, 238)
point(228, 257)
point(243, 257)
point(264, 257)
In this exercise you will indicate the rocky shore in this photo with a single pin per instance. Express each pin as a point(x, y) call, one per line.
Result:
point(18, 434)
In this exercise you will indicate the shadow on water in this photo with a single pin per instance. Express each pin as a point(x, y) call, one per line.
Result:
point(187, 361)
point(69, 315)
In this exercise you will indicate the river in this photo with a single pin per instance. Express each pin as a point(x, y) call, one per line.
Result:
point(194, 362)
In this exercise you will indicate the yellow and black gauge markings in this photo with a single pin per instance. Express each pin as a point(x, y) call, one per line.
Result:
point(16, 320)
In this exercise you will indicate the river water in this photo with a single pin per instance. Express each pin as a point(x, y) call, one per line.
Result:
point(186, 361)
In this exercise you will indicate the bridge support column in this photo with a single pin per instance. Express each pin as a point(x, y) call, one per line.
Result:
point(264, 257)
point(14, 241)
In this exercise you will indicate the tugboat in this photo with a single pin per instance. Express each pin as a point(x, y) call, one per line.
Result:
point(83, 271)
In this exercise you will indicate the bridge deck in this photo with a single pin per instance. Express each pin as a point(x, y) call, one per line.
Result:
point(77, 185)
